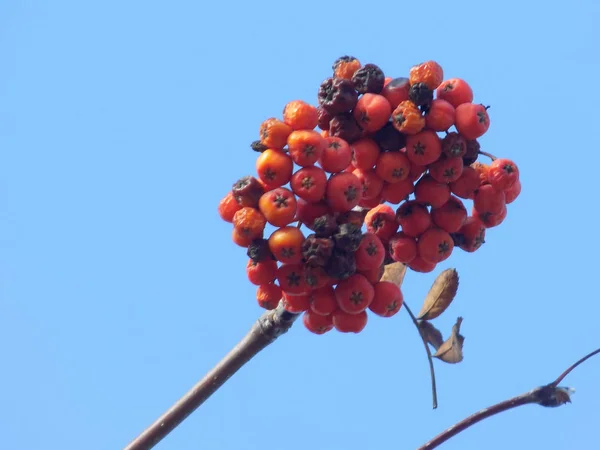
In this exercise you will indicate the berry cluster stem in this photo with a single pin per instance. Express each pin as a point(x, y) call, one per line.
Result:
point(489, 155)
point(264, 332)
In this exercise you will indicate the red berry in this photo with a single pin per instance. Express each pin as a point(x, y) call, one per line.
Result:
point(370, 253)
point(431, 192)
point(503, 173)
point(450, 216)
point(343, 192)
point(440, 116)
point(472, 121)
point(296, 303)
point(491, 220)
point(336, 155)
point(365, 152)
point(372, 112)
point(413, 218)
point(403, 248)
point(435, 245)
point(471, 235)
point(354, 294)
point(370, 181)
point(513, 192)
point(374, 274)
point(291, 279)
point(455, 91)
point(349, 323)
point(309, 183)
point(381, 221)
point(467, 183)
point(316, 323)
point(423, 148)
point(263, 272)
point(387, 300)
point(396, 192)
point(420, 265)
point(396, 91)
point(307, 212)
point(322, 301)
point(268, 295)
point(489, 200)
point(446, 170)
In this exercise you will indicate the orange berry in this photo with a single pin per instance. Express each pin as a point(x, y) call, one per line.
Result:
point(435, 245)
point(305, 147)
point(471, 235)
point(430, 73)
point(286, 244)
point(274, 133)
point(309, 183)
point(300, 115)
point(336, 156)
point(440, 116)
point(345, 66)
point(228, 206)
point(392, 166)
point(354, 294)
point(249, 222)
point(471, 120)
point(407, 118)
point(372, 112)
point(291, 279)
point(370, 202)
point(316, 277)
point(483, 170)
point(343, 192)
point(240, 239)
point(365, 152)
point(278, 206)
point(388, 299)
point(262, 272)
point(268, 295)
point(274, 168)
point(491, 220)
point(423, 148)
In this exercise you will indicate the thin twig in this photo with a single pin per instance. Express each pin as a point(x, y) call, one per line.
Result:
point(429, 357)
point(264, 332)
point(550, 395)
point(489, 155)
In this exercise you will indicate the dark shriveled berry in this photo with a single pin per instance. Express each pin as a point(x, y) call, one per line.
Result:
point(258, 146)
point(389, 139)
point(341, 265)
point(348, 237)
point(316, 251)
point(325, 226)
point(369, 78)
point(454, 145)
point(258, 250)
point(337, 95)
point(420, 94)
point(323, 118)
point(247, 190)
point(472, 152)
point(345, 127)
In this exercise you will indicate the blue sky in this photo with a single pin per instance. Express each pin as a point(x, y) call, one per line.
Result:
point(122, 124)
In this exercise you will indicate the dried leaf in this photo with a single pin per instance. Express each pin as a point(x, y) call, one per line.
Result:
point(451, 351)
point(394, 273)
point(440, 295)
point(431, 334)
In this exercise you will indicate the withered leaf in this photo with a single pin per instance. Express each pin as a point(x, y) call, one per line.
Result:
point(431, 334)
point(440, 295)
point(394, 273)
point(451, 351)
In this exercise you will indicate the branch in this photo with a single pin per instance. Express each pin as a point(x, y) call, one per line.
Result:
point(550, 395)
point(264, 332)
point(429, 357)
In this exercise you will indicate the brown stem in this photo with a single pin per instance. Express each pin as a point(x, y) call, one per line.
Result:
point(429, 357)
point(489, 155)
point(265, 331)
point(550, 395)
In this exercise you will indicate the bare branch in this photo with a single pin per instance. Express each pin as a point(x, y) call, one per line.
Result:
point(264, 332)
point(549, 396)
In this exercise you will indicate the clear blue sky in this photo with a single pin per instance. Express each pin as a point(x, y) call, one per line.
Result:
point(122, 124)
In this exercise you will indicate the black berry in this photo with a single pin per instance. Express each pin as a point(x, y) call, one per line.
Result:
point(324, 118)
point(258, 146)
point(420, 94)
point(454, 145)
point(337, 95)
point(258, 250)
point(369, 78)
point(316, 251)
point(348, 237)
point(472, 152)
point(341, 265)
point(247, 190)
point(345, 127)
point(389, 139)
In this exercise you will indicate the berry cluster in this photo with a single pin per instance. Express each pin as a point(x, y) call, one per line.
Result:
point(407, 142)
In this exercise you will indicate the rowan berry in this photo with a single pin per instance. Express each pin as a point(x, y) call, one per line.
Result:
point(346, 127)
point(305, 147)
point(349, 323)
point(322, 301)
point(268, 295)
point(403, 248)
point(423, 148)
point(368, 79)
point(336, 155)
point(345, 66)
point(483, 170)
point(343, 191)
point(471, 120)
point(413, 218)
point(348, 237)
point(296, 303)
point(352, 217)
point(389, 139)
point(435, 245)
point(309, 183)
point(392, 167)
point(489, 200)
point(455, 91)
point(472, 152)
point(396, 192)
point(503, 173)
point(316, 277)
point(407, 118)
point(396, 91)
point(446, 169)
point(274, 133)
point(372, 112)
point(249, 222)
point(316, 251)
point(278, 206)
point(258, 250)
point(337, 95)
point(513, 192)
point(454, 145)
point(341, 265)
point(365, 153)
point(416, 171)
point(323, 117)
point(471, 235)
point(387, 300)
point(300, 115)
point(467, 183)
point(286, 244)
point(431, 192)
point(370, 252)
point(381, 221)
point(490, 220)
point(369, 203)
point(316, 323)
point(263, 272)
point(325, 226)
point(247, 190)
point(420, 265)
point(370, 182)
point(240, 239)
point(374, 274)
point(291, 279)
point(228, 206)
point(440, 115)
point(420, 95)
point(354, 294)
point(429, 72)
point(274, 168)
point(307, 212)
point(450, 216)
